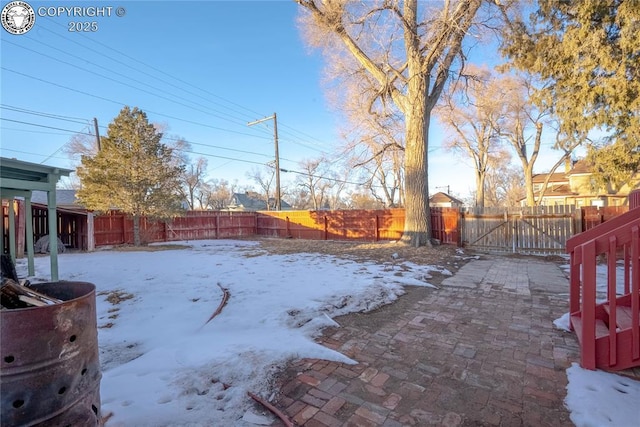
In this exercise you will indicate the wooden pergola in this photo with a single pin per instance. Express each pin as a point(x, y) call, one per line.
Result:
point(19, 179)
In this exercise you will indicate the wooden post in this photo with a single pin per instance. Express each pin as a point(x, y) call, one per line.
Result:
point(579, 221)
point(2, 237)
point(91, 238)
point(20, 227)
point(52, 216)
point(326, 228)
point(29, 234)
point(288, 231)
point(12, 230)
point(256, 217)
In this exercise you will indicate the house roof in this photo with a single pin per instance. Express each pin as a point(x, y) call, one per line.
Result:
point(65, 198)
point(253, 201)
point(555, 177)
point(580, 167)
point(441, 197)
point(558, 190)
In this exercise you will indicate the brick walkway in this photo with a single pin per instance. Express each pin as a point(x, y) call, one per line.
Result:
point(479, 351)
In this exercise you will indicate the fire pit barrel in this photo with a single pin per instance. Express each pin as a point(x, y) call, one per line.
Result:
point(50, 362)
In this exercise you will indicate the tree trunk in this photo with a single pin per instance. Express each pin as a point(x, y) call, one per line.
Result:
point(417, 223)
point(136, 231)
point(528, 183)
point(480, 178)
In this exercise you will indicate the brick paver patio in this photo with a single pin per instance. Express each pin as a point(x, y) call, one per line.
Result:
point(479, 351)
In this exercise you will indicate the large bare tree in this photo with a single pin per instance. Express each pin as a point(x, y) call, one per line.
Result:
point(192, 180)
point(522, 124)
point(505, 184)
point(375, 135)
point(409, 52)
point(265, 178)
point(216, 193)
point(314, 183)
point(376, 149)
point(469, 110)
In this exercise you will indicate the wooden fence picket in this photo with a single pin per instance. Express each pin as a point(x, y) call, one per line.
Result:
point(535, 230)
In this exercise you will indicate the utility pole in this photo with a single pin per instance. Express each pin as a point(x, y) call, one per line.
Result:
point(275, 139)
point(95, 124)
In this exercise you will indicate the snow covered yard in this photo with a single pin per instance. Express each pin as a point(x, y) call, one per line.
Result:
point(163, 364)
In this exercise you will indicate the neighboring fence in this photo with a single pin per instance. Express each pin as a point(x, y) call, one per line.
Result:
point(541, 230)
point(116, 228)
point(522, 230)
point(369, 225)
point(593, 215)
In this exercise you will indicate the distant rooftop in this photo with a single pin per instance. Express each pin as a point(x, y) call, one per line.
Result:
point(64, 198)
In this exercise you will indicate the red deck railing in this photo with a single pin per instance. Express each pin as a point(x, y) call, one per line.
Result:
point(609, 328)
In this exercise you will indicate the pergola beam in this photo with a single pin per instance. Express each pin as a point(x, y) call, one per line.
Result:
point(19, 179)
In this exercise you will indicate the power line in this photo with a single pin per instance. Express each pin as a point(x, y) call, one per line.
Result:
point(121, 104)
point(79, 120)
point(182, 100)
point(73, 132)
point(31, 154)
point(102, 54)
point(33, 131)
point(123, 83)
point(231, 159)
point(43, 126)
point(223, 148)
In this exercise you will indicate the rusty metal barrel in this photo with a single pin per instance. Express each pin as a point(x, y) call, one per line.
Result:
point(50, 364)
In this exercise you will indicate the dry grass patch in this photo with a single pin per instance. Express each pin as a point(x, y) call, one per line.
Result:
point(116, 297)
point(362, 251)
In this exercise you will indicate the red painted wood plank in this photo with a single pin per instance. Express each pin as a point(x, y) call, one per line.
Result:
point(588, 341)
point(611, 296)
point(635, 291)
point(622, 317)
point(601, 329)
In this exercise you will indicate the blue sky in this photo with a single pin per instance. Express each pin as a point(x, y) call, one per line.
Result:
point(204, 69)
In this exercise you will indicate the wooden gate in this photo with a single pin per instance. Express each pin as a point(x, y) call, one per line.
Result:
point(525, 230)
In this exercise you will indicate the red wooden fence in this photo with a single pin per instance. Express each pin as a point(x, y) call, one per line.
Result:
point(367, 225)
point(594, 215)
point(371, 225)
point(116, 228)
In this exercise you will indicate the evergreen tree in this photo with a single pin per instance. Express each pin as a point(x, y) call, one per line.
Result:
point(133, 172)
point(615, 165)
point(588, 53)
